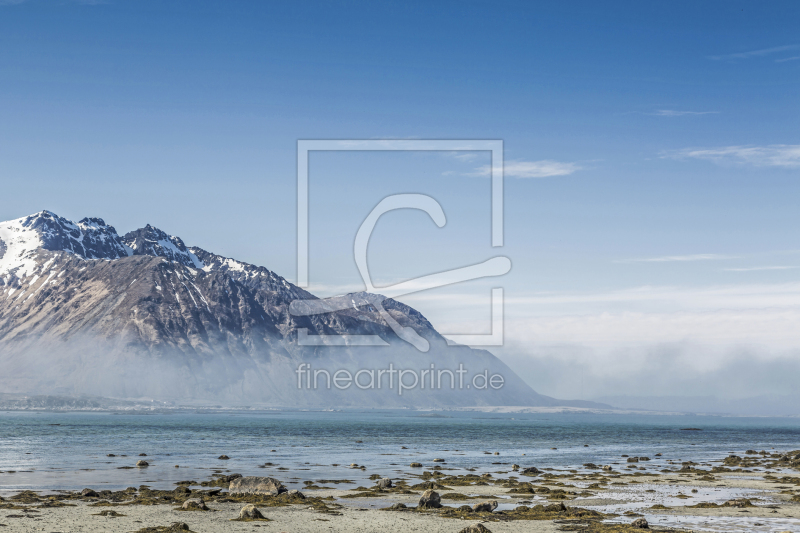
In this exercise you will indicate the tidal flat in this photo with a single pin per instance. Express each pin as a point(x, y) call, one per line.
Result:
point(370, 471)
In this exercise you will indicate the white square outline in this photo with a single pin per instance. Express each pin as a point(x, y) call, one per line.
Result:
point(304, 146)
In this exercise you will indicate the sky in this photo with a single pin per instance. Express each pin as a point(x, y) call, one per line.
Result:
point(651, 156)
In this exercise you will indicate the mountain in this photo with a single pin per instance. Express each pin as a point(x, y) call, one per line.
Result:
point(84, 310)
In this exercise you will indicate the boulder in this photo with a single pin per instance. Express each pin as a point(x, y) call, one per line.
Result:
point(607, 468)
point(178, 526)
point(476, 528)
point(256, 485)
point(398, 506)
point(89, 493)
point(250, 512)
point(384, 483)
point(194, 505)
point(531, 471)
point(640, 523)
point(485, 507)
point(223, 457)
point(181, 491)
point(430, 499)
point(141, 463)
point(415, 465)
point(296, 494)
point(515, 467)
point(438, 460)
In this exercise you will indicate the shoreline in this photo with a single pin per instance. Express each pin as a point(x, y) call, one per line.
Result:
point(500, 410)
point(758, 491)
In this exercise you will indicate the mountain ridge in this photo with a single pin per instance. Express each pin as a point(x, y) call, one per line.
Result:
point(84, 310)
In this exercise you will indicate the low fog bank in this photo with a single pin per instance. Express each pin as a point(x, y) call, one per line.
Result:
point(683, 377)
point(117, 369)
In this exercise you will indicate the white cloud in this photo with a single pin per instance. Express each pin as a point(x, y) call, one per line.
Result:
point(651, 340)
point(775, 155)
point(531, 169)
point(676, 113)
point(785, 59)
point(679, 258)
point(755, 53)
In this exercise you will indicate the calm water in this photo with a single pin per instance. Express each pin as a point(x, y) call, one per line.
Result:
point(52, 451)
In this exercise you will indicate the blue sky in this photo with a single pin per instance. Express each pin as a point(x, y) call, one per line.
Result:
point(652, 157)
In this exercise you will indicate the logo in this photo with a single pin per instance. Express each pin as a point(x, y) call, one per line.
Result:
point(492, 267)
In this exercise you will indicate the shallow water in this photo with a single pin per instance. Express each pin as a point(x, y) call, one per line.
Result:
point(54, 451)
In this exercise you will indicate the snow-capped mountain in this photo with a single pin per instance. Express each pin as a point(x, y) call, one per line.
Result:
point(83, 310)
point(21, 240)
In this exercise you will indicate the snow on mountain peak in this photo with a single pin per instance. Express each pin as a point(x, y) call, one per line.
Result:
point(150, 240)
point(91, 238)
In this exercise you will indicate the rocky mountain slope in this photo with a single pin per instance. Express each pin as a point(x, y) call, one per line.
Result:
point(84, 310)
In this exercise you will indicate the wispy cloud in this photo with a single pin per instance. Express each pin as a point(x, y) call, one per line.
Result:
point(754, 269)
point(676, 113)
point(776, 155)
point(679, 258)
point(531, 169)
point(755, 53)
point(783, 60)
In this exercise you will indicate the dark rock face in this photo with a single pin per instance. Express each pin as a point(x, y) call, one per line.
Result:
point(154, 242)
point(91, 238)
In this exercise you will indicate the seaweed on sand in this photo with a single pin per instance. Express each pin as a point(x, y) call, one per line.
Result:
point(555, 511)
point(177, 527)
